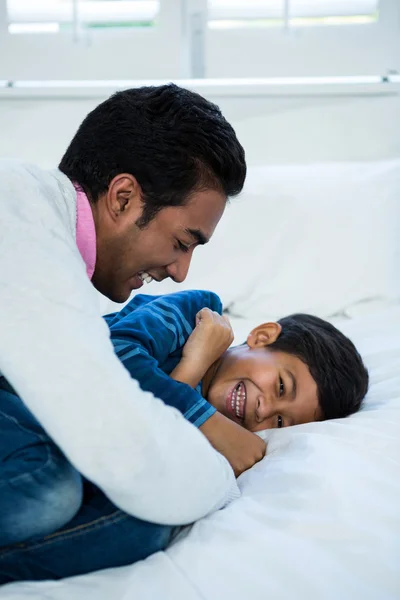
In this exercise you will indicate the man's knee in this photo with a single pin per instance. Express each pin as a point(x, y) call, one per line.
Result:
point(40, 491)
point(38, 502)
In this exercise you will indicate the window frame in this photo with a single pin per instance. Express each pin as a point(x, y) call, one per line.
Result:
point(181, 44)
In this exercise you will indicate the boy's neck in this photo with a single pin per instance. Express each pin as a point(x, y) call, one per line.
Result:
point(210, 376)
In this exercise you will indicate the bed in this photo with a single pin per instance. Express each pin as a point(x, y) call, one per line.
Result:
point(319, 517)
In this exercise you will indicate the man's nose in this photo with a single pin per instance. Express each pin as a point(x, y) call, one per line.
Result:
point(178, 270)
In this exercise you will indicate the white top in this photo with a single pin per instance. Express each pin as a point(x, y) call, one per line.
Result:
point(55, 351)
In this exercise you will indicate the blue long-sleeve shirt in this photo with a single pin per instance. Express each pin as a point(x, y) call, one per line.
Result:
point(148, 336)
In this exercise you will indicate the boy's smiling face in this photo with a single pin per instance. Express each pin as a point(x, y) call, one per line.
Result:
point(261, 388)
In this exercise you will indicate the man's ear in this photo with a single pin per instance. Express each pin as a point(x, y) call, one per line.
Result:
point(124, 197)
point(264, 335)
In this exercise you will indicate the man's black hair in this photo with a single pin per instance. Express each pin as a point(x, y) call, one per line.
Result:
point(172, 140)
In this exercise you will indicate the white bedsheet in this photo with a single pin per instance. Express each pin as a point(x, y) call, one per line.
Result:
point(319, 517)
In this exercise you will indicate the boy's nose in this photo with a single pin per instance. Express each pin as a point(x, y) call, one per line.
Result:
point(265, 407)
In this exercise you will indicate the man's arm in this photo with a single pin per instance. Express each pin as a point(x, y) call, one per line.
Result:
point(55, 351)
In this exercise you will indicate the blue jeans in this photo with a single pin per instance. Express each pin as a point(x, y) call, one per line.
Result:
point(53, 522)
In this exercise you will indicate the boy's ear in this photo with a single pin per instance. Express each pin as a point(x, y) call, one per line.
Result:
point(264, 335)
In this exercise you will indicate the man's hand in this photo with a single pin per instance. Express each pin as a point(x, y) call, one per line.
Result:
point(240, 447)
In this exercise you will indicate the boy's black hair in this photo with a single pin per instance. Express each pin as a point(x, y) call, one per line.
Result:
point(333, 361)
point(172, 140)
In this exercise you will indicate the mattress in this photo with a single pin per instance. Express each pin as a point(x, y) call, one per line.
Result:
point(318, 518)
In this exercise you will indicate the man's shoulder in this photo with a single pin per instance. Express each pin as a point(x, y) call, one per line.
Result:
point(14, 170)
point(20, 188)
point(19, 175)
point(24, 186)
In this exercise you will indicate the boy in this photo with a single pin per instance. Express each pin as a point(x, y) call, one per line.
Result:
point(297, 370)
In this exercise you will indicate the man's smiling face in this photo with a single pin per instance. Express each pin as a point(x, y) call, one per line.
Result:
point(162, 248)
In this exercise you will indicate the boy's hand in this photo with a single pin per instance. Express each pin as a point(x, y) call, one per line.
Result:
point(208, 341)
point(240, 447)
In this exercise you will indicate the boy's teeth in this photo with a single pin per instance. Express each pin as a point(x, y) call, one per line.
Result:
point(238, 395)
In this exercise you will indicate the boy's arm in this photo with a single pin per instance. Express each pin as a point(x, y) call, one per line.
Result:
point(173, 391)
point(148, 331)
point(210, 338)
point(152, 331)
point(185, 374)
point(213, 334)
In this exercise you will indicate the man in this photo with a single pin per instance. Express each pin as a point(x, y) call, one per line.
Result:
point(144, 181)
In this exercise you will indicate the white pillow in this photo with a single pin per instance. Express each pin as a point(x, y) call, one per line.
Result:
point(322, 237)
point(314, 238)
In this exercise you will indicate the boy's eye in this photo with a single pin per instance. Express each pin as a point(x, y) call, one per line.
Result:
point(281, 387)
point(280, 421)
point(183, 247)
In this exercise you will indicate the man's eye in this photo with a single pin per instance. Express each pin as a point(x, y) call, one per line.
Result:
point(281, 387)
point(183, 247)
point(280, 421)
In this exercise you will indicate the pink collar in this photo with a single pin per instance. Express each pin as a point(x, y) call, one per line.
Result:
point(85, 230)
